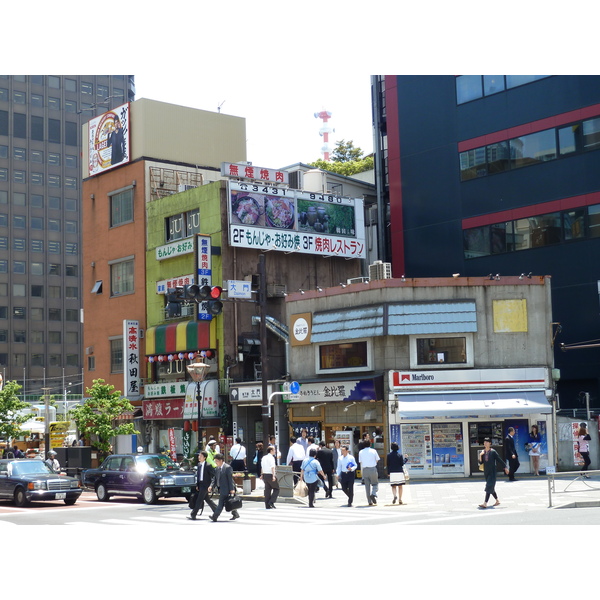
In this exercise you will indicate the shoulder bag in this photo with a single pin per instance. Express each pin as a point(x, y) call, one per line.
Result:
point(233, 503)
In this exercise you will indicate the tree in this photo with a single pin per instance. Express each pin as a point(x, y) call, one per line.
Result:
point(346, 160)
point(96, 416)
point(10, 405)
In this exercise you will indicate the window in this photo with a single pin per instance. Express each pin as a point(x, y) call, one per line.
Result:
point(3, 243)
point(3, 95)
point(183, 225)
point(37, 314)
point(97, 289)
point(71, 161)
point(53, 225)
point(19, 244)
point(37, 245)
point(54, 82)
point(70, 106)
point(19, 221)
point(3, 266)
point(516, 80)
point(37, 156)
point(71, 270)
point(91, 363)
point(70, 85)
point(53, 269)
point(71, 248)
point(116, 355)
point(19, 97)
point(3, 220)
point(37, 291)
point(19, 199)
point(37, 128)
point(37, 200)
point(54, 360)
point(37, 268)
point(121, 278)
point(70, 183)
point(19, 267)
point(54, 181)
point(19, 290)
point(54, 103)
point(468, 87)
point(37, 337)
point(121, 207)
point(71, 292)
point(573, 224)
point(19, 312)
point(54, 202)
point(3, 312)
point(72, 314)
point(20, 176)
point(3, 197)
point(569, 139)
point(54, 159)
point(70, 133)
point(37, 360)
point(3, 174)
point(102, 92)
point(19, 125)
point(70, 226)
point(72, 337)
point(472, 164)
point(37, 79)
point(534, 148)
point(37, 179)
point(54, 131)
point(19, 153)
point(54, 314)
point(348, 356)
point(591, 134)
point(19, 336)
point(54, 247)
point(492, 84)
point(441, 353)
point(87, 88)
point(54, 291)
point(18, 360)
point(37, 100)
point(54, 337)
point(3, 335)
point(70, 205)
point(72, 360)
point(3, 151)
point(3, 122)
point(3, 289)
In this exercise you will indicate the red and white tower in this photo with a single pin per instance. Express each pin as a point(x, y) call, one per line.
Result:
point(324, 132)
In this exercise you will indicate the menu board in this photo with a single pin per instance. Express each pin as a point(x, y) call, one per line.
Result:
point(416, 448)
point(448, 450)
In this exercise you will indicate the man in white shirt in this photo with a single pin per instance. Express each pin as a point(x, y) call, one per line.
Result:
point(269, 476)
point(238, 456)
point(368, 459)
point(346, 467)
point(295, 456)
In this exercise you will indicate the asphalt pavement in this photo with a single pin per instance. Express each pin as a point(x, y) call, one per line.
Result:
point(528, 492)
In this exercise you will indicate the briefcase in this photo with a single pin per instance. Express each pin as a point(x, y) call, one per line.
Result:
point(233, 503)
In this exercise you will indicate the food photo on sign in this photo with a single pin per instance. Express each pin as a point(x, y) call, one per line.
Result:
point(319, 217)
point(262, 210)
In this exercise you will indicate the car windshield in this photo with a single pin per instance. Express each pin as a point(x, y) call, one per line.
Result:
point(28, 467)
point(154, 462)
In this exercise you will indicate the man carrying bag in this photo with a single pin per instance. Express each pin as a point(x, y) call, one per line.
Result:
point(223, 481)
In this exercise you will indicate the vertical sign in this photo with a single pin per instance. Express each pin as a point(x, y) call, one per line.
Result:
point(204, 269)
point(131, 358)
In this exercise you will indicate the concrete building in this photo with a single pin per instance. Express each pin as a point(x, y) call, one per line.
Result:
point(40, 223)
point(433, 364)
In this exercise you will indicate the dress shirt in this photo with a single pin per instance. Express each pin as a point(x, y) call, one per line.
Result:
point(267, 464)
point(343, 461)
point(311, 447)
point(303, 442)
point(368, 457)
point(296, 452)
point(237, 452)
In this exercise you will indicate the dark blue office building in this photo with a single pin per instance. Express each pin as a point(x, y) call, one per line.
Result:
point(499, 175)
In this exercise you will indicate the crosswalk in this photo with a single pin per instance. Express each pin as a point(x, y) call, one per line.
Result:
point(253, 513)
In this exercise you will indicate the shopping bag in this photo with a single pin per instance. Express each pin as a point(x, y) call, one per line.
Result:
point(301, 489)
point(396, 478)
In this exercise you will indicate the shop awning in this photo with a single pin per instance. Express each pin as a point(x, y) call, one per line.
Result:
point(522, 402)
point(186, 336)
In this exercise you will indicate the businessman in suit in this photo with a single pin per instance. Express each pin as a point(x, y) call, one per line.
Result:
point(204, 477)
point(325, 458)
point(223, 481)
point(510, 454)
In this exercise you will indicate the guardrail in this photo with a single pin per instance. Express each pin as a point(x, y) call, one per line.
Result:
point(573, 476)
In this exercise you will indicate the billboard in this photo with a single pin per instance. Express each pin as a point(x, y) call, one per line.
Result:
point(271, 218)
point(109, 140)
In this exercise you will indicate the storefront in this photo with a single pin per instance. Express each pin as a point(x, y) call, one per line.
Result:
point(440, 418)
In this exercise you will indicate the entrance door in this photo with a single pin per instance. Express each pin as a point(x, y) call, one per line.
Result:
point(477, 433)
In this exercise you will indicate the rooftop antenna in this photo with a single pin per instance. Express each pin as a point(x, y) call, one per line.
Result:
point(219, 107)
point(325, 115)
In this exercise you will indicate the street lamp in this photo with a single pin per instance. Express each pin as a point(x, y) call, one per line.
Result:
point(198, 372)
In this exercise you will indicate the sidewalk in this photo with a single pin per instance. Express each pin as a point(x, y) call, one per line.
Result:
point(527, 493)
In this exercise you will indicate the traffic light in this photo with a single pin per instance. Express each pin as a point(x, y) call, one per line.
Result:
point(173, 304)
point(191, 292)
point(213, 305)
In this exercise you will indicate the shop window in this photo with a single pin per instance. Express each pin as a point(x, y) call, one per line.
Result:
point(345, 356)
point(441, 353)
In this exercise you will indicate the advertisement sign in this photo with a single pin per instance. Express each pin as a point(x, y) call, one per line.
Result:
point(245, 171)
point(163, 409)
point(172, 444)
point(464, 379)
point(416, 448)
point(109, 140)
point(209, 392)
point(270, 218)
point(349, 391)
point(204, 271)
point(164, 285)
point(58, 433)
point(131, 355)
point(448, 449)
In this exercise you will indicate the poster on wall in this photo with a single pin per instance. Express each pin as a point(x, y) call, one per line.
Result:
point(416, 448)
point(109, 140)
point(448, 449)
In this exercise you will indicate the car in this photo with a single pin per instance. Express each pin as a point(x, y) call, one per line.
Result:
point(146, 476)
point(29, 480)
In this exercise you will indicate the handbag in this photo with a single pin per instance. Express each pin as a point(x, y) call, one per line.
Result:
point(233, 503)
point(481, 467)
point(406, 473)
point(396, 478)
point(301, 489)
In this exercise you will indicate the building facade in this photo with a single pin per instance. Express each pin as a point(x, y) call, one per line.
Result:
point(40, 224)
point(498, 176)
point(436, 365)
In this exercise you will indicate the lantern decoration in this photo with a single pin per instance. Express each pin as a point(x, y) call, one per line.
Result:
point(160, 358)
point(170, 357)
point(181, 356)
point(191, 356)
point(194, 425)
point(186, 426)
point(151, 359)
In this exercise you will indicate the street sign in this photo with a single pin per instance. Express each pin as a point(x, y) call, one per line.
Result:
point(239, 289)
point(294, 387)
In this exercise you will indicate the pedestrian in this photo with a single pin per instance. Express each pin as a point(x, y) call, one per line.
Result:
point(211, 453)
point(583, 446)
point(337, 452)
point(311, 445)
point(273, 442)
point(489, 458)
point(51, 462)
point(17, 452)
point(309, 473)
point(204, 476)
point(258, 458)
point(296, 454)
point(269, 476)
point(395, 465)
point(216, 446)
point(303, 441)
point(534, 444)
point(510, 454)
point(223, 481)
point(325, 457)
point(368, 459)
point(238, 455)
point(346, 468)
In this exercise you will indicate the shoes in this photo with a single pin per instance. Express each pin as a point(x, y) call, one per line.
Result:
point(400, 502)
point(482, 506)
point(585, 476)
point(235, 515)
point(373, 499)
point(273, 505)
point(311, 506)
point(192, 518)
point(394, 500)
point(349, 504)
point(497, 503)
point(213, 518)
point(370, 504)
point(268, 506)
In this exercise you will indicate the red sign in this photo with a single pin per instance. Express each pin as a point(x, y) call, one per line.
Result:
point(163, 408)
point(172, 446)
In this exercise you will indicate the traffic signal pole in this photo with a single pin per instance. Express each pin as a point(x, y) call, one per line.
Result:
point(262, 303)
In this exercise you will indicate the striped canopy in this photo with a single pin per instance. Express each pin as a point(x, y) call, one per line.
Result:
point(187, 336)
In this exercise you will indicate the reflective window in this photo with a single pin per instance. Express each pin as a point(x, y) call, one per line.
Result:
point(54, 103)
point(37, 128)
point(37, 100)
point(498, 157)
point(569, 139)
point(37, 268)
point(591, 134)
point(121, 206)
point(516, 80)
point(121, 278)
point(594, 221)
point(473, 164)
point(574, 224)
point(431, 351)
point(532, 149)
point(468, 87)
point(492, 84)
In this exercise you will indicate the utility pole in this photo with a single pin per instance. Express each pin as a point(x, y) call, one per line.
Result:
point(262, 303)
point(46, 420)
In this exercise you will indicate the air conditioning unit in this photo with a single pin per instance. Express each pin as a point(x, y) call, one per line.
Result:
point(183, 187)
point(357, 280)
point(380, 270)
point(188, 310)
point(276, 290)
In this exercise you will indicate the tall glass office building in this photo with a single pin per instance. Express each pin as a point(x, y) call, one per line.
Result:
point(41, 117)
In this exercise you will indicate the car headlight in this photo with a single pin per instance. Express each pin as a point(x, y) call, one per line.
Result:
point(166, 481)
point(37, 485)
point(74, 484)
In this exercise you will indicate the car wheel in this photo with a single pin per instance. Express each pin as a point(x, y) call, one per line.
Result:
point(149, 495)
point(102, 494)
point(70, 501)
point(20, 497)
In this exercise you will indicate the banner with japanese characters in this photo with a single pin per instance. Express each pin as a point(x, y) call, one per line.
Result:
point(109, 140)
point(131, 358)
point(267, 217)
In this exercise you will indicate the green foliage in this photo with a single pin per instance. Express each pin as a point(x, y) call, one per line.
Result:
point(345, 160)
point(96, 417)
point(10, 405)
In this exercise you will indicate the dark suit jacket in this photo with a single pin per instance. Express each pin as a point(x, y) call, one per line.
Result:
point(509, 447)
point(223, 479)
point(325, 457)
point(207, 476)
